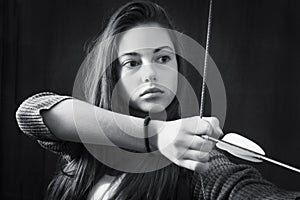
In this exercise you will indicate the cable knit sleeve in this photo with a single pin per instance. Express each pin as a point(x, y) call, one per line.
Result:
point(226, 180)
point(31, 123)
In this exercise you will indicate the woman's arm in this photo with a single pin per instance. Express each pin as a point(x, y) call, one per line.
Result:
point(226, 180)
point(77, 121)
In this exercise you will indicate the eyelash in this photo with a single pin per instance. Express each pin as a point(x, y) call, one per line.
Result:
point(136, 63)
point(168, 59)
point(125, 64)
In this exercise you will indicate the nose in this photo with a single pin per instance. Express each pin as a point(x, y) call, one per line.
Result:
point(150, 78)
point(149, 74)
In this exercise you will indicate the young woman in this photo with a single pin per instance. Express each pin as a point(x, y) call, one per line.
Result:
point(134, 66)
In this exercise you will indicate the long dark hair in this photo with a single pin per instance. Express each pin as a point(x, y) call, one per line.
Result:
point(77, 177)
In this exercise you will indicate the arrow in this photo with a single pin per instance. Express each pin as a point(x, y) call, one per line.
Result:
point(244, 148)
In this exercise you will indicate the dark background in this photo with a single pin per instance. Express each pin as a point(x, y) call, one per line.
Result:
point(254, 44)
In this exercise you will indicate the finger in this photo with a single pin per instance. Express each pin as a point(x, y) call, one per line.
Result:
point(201, 144)
point(196, 156)
point(194, 165)
point(212, 120)
point(207, 146)
point(204, 127)
point(215, 124)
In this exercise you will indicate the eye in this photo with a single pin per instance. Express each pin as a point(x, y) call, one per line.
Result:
point(130, 63)
point(163, 59)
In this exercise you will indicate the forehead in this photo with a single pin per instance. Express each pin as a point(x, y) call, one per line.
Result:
point(142, 37)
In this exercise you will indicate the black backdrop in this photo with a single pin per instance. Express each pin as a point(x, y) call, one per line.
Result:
point(254, 44)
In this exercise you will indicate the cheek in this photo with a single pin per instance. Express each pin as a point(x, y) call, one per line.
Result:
point(127, 84)
point(173, 82)
point(169, 79)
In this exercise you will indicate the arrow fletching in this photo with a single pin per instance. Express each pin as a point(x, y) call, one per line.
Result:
point(241, 147)
point(246, 149)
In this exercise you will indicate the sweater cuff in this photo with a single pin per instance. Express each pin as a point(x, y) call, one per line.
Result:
point(31, 122)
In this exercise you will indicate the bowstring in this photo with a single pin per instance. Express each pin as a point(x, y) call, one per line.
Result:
point(206, 59)
point(204, 82)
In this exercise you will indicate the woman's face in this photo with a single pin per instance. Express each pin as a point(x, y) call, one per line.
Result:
point(148, 68)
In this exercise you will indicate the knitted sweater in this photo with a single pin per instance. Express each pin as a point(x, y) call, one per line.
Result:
point(223, 179)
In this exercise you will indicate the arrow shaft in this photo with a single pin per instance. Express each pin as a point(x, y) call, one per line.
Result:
point(278, 163)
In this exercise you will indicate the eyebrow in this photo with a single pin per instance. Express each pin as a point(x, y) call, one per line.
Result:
point(163, 47)
point(154, 51)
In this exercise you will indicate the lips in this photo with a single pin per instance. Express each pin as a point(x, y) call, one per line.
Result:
point(151, 90)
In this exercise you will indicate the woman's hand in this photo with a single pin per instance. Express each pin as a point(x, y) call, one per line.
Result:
point(180, 141)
